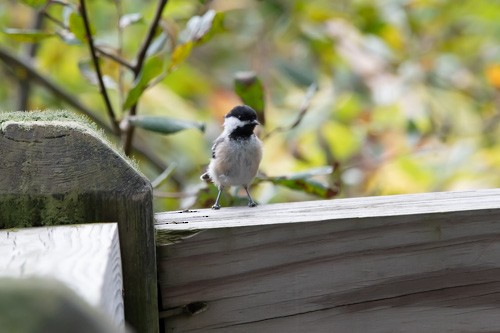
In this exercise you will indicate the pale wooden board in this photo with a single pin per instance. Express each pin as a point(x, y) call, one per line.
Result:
point(86, 258)
point(411, 263)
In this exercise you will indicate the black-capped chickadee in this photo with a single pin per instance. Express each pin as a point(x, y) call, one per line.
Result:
point(236, 153)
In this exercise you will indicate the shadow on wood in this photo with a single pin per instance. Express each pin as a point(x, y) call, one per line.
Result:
point(407, 263)
point(57, 170)
point(45, 305)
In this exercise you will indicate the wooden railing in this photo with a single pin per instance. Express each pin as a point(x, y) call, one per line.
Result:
point(406, 263)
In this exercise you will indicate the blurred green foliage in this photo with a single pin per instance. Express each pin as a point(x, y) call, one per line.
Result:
point(407, 98)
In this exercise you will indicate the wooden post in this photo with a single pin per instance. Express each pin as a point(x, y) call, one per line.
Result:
point(407, 263)
point(55, 169)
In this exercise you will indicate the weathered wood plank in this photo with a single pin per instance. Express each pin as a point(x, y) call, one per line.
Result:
point(56, 169)
point(85, 257)
point(410, 263)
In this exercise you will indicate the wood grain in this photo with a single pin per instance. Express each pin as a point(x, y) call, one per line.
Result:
point(58, 172)
point(85, 258)
point(410, 263)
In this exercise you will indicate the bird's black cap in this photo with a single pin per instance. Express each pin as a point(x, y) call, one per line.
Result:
point(242, 112)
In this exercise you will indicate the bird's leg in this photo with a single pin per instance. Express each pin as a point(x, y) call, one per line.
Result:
point(216, 205)
point(251, 203)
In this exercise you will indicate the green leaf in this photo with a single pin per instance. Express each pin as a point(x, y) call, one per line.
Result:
point(199, 28)
point(158, 44)
point(343, 140)
point(153, 67)
point(249, 88)
point(34, 3)
point(213, 25)
point(68, 37)
point(305, 185)
point(129, 19)
point(320, 171)
point(164, 125)
point(27, 35)
point(302, 182)
point(206, 197)
point(77, 27)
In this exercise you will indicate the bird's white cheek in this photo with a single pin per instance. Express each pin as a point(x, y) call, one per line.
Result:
point(231, 124)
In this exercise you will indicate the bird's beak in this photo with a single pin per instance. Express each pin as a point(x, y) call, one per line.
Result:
point(255, 122)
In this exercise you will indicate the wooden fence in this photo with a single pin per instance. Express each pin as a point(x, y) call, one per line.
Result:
point(56, 169)
point(407, 263)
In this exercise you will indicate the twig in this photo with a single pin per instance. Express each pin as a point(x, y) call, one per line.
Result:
point(121, 85)
point(141, 57)
point(31, 49)
point(55, 20)
point(99, 49)
point(114, 57)
point(164, 175)
point(95, 60)
point(303, 110)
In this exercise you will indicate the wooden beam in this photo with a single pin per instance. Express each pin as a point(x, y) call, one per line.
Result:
point(408, 263)
point(86, 258)
point(57, 169)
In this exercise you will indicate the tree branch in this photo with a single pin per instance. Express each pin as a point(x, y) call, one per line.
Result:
point(95, 60)
point(99, 49)
point(23, 66)
point(141, 57)
point(114, 57)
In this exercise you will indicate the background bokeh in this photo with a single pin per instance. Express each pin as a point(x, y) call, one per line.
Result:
point(407, 95)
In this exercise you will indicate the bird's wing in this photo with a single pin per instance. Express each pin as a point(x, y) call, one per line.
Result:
point(216, 143)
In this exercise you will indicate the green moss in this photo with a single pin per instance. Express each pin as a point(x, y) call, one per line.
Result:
point(21, 211)
point(47, 115)
point(63, 209)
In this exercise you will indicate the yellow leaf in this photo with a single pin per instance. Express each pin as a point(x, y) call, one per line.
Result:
point(343, 141)
point(493, 75)
point(392, 36)
point(180, 54)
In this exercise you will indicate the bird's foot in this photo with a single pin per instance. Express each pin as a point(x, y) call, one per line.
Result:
point(216, 207)
point(252, 204)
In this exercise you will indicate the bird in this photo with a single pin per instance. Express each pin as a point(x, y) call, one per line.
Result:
point(236, 153)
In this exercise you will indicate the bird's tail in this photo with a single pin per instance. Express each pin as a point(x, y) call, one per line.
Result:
point(206, 177)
